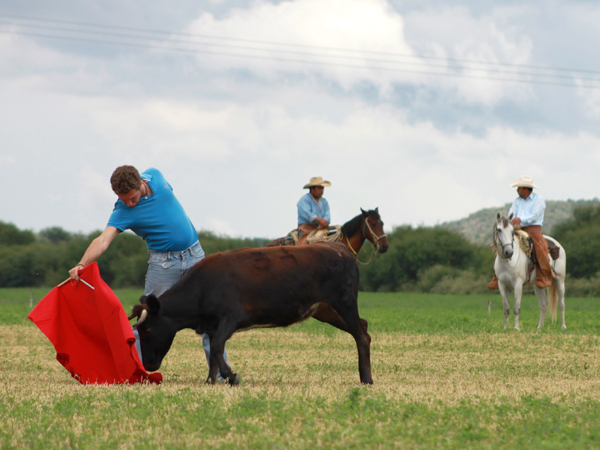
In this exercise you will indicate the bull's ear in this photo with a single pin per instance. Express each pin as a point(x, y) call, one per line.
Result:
point(143, 299)
point(153, 304)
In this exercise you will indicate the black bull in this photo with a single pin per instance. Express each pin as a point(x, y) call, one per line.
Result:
point(250, 288)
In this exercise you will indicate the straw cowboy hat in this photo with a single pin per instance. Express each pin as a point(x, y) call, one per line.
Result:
point(524, 181)
point(316, 181)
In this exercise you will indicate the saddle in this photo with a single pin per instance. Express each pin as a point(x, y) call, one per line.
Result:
point(330, 234)
point(529, 248)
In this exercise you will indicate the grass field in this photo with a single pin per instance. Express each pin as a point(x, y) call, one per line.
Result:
point(446, 375)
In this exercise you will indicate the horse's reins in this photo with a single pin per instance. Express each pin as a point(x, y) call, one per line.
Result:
point(375, 238)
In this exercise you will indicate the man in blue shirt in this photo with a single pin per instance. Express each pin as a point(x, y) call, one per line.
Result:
point(528, 214)
point(313, 209)
point(148, 207)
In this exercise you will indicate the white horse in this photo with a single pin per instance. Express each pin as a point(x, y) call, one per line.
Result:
point(512, 267)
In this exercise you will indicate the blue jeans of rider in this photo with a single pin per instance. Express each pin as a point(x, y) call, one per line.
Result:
point(164, 270)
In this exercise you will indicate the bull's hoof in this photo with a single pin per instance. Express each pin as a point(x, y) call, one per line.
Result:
point(235, 380)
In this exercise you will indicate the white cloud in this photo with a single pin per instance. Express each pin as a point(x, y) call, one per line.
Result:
point(369, 26)
point(454, 32)
point(238, 145)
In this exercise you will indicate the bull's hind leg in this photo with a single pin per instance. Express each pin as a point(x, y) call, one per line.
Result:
point(325, 313)
point(363, 340)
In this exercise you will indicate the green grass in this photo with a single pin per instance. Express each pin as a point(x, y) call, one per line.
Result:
point(409, 313)
point(447, 375)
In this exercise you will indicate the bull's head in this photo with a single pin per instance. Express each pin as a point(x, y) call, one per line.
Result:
point(156, 332)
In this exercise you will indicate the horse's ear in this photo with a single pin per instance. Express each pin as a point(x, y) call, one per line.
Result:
point(364, 213)
point(377, 210)
point(510, 217)
point(498, 216)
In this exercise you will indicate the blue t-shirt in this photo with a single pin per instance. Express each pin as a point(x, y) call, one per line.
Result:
point(159, 218)
point(309, 210)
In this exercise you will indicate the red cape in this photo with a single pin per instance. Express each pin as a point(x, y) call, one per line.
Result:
point(90, 332)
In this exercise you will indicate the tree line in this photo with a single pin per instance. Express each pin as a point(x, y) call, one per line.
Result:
point(420, 259)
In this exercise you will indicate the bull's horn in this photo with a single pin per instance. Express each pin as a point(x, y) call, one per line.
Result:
point(143, 317)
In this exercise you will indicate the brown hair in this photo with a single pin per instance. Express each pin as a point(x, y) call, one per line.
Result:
point(125, 179)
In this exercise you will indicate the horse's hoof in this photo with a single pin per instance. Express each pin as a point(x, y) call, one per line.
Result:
point(563, 327)
point(234, 380)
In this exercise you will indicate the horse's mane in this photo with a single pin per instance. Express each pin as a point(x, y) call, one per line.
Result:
point(351, 227)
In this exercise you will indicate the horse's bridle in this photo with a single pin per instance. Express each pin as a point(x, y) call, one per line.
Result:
point(375, 238)
point(375, 241)
point(512, 243)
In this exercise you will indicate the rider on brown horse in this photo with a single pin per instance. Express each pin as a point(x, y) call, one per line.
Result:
point(313, 209)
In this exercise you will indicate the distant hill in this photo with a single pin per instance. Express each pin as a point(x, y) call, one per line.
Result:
point(478, 226)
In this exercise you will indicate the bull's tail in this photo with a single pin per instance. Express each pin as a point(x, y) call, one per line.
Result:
point(553, 298)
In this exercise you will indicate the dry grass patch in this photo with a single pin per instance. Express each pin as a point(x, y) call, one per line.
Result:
point(302, 390)
point(282, 363)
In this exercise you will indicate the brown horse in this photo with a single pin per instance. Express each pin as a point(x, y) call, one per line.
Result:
point(367, 225)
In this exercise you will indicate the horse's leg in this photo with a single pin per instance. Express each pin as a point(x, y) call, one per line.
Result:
point(542, 296)
point(505, 293)
point(560, 288)
point(518, 289)
point(325, 313)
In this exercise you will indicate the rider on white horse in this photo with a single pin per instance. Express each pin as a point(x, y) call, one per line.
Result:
point(313, 209)
point(528, 213)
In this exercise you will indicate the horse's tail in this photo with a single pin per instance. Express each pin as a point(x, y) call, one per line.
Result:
point(553, 297)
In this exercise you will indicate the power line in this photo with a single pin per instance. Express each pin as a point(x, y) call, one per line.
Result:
point(303, 53)
point(171, 33)
point(237, 55)
point(289, 60)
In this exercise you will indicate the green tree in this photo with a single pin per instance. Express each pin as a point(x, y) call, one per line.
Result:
point(413, 251)
point(580, 237)
point(55, 235)
point(11, 235)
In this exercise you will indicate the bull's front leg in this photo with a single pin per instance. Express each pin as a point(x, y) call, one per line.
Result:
point(217, 348)
point(213, 367)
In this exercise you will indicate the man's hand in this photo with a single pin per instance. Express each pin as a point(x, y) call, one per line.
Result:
point(322, 223)
point(74, 272)
point(516, 221)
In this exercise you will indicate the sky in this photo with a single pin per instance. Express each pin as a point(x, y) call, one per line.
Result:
point(427, 110)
